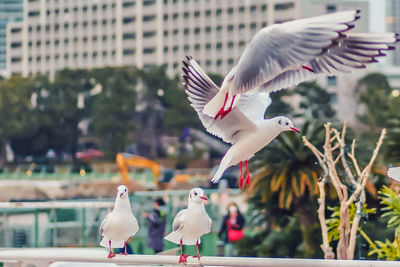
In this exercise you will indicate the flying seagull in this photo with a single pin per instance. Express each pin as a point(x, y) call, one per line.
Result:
point(120, 224)
point(283, 55)
point(277, 57)
point(191, 223)
point(244, 127)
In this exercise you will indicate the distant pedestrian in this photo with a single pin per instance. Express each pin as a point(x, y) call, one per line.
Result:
point(232, 228)
point(156, 227)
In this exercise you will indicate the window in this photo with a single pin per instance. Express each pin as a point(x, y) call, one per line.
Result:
point(219, 62)
point(128, 36)
point(175, 16)
point(38, 43)
point(208, 46)
point(330, 8)
point(94, 38)
point(186, 31)
point(128, 51)
point(165, 17)
point(94, 8)
point(148, 50)
point(66, 10)
point(15, 59)
point(149, 2)
point(165, 49)
point(230, 28)
point(253, 26)
point(197, 30)
point(196, 14)
point(219, 12)
point(149, 18)
point(16, 44)
point(66, 26)
point(128, 4)
point(128, 20)
point(331, 81)
point(38, 28)
point(104, 53)
point(208, 13)
point(104, 22)
point(253, 9)
point(186, 48)
point(176, 31)
point(218, 46)
point(197, 47)
point(94, 54)
point(230, 44)
point(284, 6)
point(230, 11)
point(186, 15)
point(66, 56)
point(263, 7)
point(241, 26)
point(34, 13)
point(230, 61)
point(241, 9)
point(165, 33)
point(16, 30)
point(208, 63)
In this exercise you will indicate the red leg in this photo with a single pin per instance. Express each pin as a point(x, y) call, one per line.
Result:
point(308, 68)
point(221, 111)
point(226, 112)
point(198, 252)
point(241, 175)
point(111, 254)
point(248, 173)
point(182, 258)
point(125, 253)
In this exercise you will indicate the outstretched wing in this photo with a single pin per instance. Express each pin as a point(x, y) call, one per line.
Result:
point(200, 90)
point(286, 54)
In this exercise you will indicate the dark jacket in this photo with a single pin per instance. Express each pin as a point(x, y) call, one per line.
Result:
point(223, 232)
point(156, 229)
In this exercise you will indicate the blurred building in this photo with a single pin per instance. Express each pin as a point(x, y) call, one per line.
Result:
point(57, 34)
point(10, 10)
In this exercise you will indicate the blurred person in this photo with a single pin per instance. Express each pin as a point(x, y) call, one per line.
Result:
point(156, 229)
point(232, 228)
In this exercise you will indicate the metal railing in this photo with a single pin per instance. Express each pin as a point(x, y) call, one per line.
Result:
point(45, 256)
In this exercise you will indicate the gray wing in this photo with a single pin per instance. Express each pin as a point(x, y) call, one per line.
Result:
point(103, 223)
point(347, 52)
point(177, 224)
point(276, 56)
point(200, 90)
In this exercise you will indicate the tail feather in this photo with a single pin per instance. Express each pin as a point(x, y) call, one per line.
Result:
point(226, 162)
point(175, 237)
point(114, 244)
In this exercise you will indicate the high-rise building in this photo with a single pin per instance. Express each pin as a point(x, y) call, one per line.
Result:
point(10, 11)
point(57, 34)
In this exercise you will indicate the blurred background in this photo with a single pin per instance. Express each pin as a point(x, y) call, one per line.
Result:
point(91, 97)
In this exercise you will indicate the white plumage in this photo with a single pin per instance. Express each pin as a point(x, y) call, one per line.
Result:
point(120, 224)
point(191, 223)
point(394, 173)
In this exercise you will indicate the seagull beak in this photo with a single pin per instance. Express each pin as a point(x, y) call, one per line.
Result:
point(204, 198)
point(294, 129)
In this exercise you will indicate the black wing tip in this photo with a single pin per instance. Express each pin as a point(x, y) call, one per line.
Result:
point(350, 26)
point(358, 11)
point(189, 57)
point(390, 47)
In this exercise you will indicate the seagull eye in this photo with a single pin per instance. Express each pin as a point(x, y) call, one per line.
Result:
point(280, 122)
point(287, 123)
point(125, 189)
point(195, 193)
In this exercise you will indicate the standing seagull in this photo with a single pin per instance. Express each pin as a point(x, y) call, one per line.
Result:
point(394, 173)
point(191, 223)
point(120, 224)
point(283, 55)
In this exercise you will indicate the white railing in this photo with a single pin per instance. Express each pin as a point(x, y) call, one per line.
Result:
point(44, 256)
point(57, 204)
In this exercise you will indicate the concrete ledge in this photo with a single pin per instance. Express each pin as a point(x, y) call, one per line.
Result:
point(45, 256)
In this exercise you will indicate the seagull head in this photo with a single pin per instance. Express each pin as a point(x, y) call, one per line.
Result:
point(285, 124)
point(122, 191)
point(197, 195)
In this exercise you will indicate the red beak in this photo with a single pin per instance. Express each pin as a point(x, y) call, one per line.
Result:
point(294, 129)
point(204, 198)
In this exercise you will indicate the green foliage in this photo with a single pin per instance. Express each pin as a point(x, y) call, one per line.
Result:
point(290, 167)
point(278, 105)
point(315, 101)
point(375, 94)
point(391, 201)
point(333, 222)
point(392, 142)
point(388, 250)
point(113, 108)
